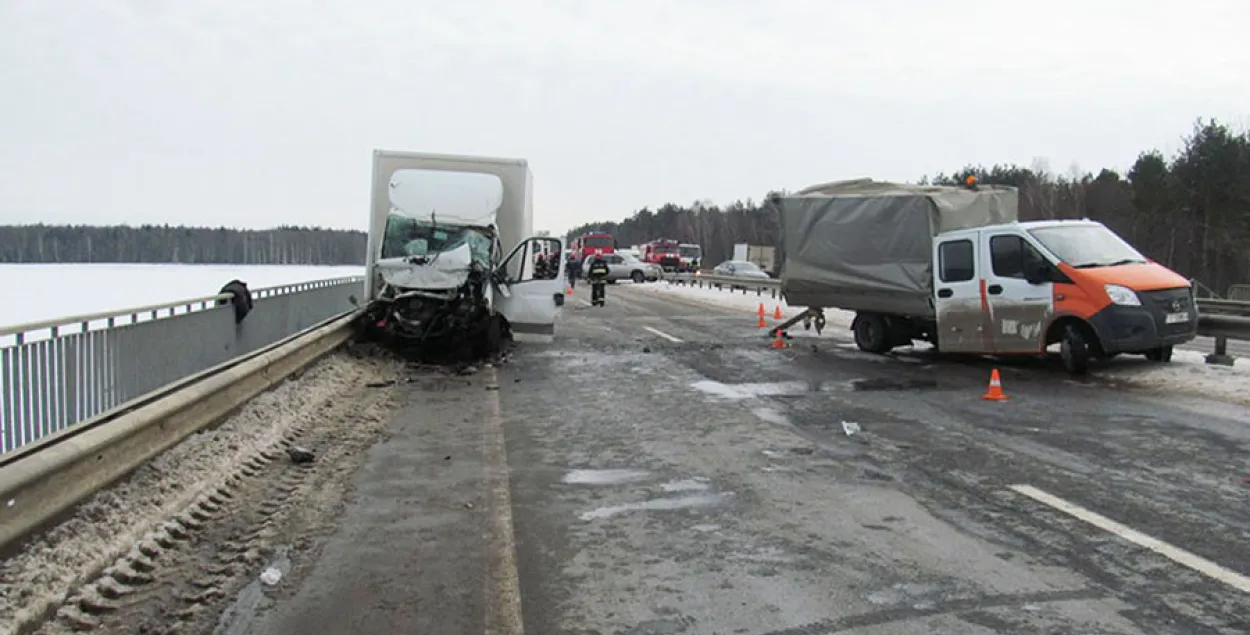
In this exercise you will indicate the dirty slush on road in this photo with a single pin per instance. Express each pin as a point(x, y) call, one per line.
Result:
point(205, 532)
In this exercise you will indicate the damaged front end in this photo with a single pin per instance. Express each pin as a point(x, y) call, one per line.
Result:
point(435, 285)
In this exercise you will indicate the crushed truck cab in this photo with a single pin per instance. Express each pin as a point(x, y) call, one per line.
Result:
point(450, 258)
point(953, 266)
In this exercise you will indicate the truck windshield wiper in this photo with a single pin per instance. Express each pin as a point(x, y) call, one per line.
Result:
point(1123, 261)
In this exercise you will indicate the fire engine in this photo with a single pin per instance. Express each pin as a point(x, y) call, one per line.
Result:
point(592, 243)
point(662, 252)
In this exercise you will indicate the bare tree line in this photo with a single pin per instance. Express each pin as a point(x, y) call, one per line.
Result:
point(286, 245)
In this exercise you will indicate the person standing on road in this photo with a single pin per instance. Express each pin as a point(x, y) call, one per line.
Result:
point(598, 274)
point(573, 269)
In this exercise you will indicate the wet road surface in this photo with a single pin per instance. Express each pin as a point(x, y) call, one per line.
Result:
point(659, 469)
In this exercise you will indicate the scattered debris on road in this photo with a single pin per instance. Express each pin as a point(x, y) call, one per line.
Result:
point(300, 455)
point(271, 576)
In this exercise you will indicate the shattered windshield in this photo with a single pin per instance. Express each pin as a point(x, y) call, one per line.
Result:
point(1085, 246)
point(406, 237)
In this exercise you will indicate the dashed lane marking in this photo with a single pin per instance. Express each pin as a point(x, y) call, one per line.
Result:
point(1175, 554)
point(663, 334)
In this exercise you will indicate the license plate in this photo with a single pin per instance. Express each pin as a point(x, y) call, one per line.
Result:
point(1177, 318)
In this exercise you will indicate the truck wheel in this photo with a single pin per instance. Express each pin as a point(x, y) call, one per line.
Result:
point(637, 277)
point(1163, 354)
point(871, 333)
point(1074, 349)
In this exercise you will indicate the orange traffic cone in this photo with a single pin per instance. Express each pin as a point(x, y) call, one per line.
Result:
point(761, 323)
point(777, 313)
point(995, 393)
point(777, 341)
point(761, 311)
point(568, 290)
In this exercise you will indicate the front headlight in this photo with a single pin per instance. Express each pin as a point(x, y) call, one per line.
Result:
point(1122, 295)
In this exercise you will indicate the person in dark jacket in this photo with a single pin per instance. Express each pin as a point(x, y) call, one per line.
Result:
point(598, 274)
point(573, 269)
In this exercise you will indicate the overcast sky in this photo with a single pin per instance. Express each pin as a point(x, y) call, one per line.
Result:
point(261, 113)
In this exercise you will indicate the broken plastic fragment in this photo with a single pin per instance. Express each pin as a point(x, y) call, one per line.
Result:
point(850, 427)
point(271, 576)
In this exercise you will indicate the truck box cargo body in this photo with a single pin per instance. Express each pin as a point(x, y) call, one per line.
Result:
point(954, 267)
point(868, 246)
point(450, 254)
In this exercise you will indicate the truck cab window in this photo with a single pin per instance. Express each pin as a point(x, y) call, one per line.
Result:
point(1007, 256)
point(955, 261)
point(1011, 257)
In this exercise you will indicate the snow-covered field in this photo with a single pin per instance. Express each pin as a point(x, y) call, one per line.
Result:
point(1187, 373)
point(43, 292)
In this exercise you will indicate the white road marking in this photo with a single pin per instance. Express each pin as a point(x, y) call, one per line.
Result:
point(503, 582)
point(1175, 554)
point(585, 302)
point(662, 334)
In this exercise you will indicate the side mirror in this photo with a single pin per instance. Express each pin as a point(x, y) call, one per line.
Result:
point(353, 300)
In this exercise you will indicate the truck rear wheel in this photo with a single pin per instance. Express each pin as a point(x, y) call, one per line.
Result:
point(872, 333)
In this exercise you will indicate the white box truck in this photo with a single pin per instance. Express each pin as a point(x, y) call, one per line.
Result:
point(451, 257)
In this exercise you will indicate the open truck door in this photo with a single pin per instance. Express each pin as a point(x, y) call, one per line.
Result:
point(529, 295)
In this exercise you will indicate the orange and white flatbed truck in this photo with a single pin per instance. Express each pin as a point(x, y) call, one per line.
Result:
point(953, 266)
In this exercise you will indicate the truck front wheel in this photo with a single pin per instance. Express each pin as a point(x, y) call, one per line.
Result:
point(872, 334)
point(1074, 349)
point(1163, 354)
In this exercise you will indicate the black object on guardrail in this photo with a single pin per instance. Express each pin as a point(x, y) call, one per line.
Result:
point(240, 297)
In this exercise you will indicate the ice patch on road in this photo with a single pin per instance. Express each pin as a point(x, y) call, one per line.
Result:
point(749, 391)
point(687, 485)
point(772, 415)
point(603, 477)
point(657, 504)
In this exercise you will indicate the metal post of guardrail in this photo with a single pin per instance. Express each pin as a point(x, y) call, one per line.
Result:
point(1220, 356)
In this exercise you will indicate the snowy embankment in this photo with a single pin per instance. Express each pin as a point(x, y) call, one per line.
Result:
point(1188, 373)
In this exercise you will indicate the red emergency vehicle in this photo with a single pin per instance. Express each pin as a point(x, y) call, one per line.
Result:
point(663, 252)
point(592, 243)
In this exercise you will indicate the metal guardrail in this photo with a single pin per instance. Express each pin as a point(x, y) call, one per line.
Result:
point(1220, 319)
point(56, 373)
point(42, 480)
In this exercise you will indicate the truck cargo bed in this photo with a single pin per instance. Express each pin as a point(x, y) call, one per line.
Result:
point(868, 246)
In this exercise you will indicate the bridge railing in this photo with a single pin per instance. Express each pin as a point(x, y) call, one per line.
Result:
point(56, 373)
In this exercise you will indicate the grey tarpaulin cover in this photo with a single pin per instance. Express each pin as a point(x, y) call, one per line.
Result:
point(867, 245)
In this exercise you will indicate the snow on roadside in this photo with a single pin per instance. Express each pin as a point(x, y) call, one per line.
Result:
point(835, 320)
point(105, 525)
point(1188, 373)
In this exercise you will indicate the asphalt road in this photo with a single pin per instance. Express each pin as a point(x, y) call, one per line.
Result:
point(659, 469)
